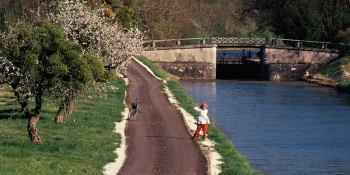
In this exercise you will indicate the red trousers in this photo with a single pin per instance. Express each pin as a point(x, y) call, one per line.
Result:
point(199, 127)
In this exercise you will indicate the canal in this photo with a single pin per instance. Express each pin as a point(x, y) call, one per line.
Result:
point(281, 127)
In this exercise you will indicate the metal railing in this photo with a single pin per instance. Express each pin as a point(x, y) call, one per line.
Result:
point(235, 40)
point(309, 44)
point(249, 40)
point(177, 42)
point(204, 40)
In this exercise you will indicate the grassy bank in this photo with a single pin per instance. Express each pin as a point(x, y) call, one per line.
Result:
point(335, 74)
point(234, 161)
point(338, 72)
point(84, 144)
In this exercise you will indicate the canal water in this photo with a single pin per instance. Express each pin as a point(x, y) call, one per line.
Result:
point(283, 128)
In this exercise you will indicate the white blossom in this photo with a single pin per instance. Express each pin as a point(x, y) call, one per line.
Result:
point(115, 45)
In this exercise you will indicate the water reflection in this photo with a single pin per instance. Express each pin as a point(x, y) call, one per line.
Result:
point(282, 127)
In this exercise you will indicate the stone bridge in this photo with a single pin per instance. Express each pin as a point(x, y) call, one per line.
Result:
point(276, 62)
point(187, 62)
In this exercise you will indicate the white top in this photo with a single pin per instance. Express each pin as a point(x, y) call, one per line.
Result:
point(202, 115)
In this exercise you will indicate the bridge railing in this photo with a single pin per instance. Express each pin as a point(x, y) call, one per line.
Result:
point(177, 42)
point(309, 44)
point(204, 40)
point(235, 40)
point(249, 40)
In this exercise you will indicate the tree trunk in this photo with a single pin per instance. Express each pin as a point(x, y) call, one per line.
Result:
point(66, 108)
point(34, 118)
point(70, 105)
point(60, 113)
point(32, 130)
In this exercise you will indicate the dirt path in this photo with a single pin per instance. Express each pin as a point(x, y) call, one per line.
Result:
point(158, 142)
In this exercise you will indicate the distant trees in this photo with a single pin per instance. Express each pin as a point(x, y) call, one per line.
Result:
point(343, 36)
point(167, 19)
point(220, 17)
point(319, 20)
point(12, 10)
point(163, 19)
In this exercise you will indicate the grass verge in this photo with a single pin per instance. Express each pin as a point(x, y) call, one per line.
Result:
point(338, 73)
point(83, 144)
point(234, 161)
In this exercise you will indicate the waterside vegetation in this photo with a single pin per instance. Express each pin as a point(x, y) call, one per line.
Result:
point(335, 74)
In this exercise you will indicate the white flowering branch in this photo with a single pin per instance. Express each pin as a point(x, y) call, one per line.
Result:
point(82, 24)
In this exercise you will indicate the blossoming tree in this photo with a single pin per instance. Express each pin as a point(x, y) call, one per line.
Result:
point(38, 59)
point(98, 35)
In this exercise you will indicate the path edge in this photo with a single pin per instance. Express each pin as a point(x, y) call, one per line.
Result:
point(113, 168)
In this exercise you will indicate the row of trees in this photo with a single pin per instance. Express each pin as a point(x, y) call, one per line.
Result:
point(166, 19)
point(74, 50)
point(317, 20)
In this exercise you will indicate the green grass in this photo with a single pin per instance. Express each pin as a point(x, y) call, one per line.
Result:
point(234, 162)
point(83, 144)
point(157, 70)
point(333, 72)
point(345, 84)
point(6, 94)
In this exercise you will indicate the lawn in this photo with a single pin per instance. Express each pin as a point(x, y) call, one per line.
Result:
point(83, 144)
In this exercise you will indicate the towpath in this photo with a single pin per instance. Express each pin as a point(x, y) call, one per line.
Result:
point(157, 142)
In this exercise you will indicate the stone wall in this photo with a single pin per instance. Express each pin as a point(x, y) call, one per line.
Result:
point(186, 62)
point(293, 63)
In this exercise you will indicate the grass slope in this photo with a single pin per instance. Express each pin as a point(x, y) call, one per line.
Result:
point(83, 144)
point(335, 74)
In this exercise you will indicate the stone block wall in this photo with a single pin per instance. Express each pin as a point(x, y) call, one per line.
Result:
point(293, 63)
point(186, 62)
